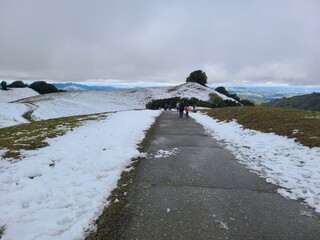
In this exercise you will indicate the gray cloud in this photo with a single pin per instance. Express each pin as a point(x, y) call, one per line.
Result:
point(250, 41)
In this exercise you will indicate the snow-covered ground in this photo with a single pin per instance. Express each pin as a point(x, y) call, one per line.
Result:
point(71, 103)
point(278, 159)
point(11, 113)
point(57, 191)
point(14, 94)
point(63, 104)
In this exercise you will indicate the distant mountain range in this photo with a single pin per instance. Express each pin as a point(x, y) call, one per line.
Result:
point(262, 94)
point(71, 87)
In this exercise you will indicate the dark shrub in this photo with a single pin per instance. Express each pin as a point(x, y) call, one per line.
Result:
point(212, 103)
point(4, 85)
point(17, 84)
point(246, 102)
point(223, 91)
point(43, 87)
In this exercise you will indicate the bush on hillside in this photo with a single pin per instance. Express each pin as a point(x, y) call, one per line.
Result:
point(43, 87)
point(223, 91)
point(17, 84)
point(4, 85)
point(214, 102)
point(198, 76)
point(246, 102)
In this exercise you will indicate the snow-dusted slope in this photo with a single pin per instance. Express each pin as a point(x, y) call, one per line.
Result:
point(11, 113)
point(86, 102)
point(14, 94)
point(64, 104)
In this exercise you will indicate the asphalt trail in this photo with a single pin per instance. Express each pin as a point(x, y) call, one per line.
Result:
point(202, 192)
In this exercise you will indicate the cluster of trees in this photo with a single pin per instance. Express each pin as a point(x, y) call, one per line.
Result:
point(41, 87)
point(213, 102)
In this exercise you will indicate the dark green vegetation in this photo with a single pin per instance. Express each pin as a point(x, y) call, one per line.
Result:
point(306, 102)
point(301, 125)
point(214, 102)
point(198, 76)
point(17, 84)
point(4, 85)
point(32, 135)
point(43, 87)
point(113, 219)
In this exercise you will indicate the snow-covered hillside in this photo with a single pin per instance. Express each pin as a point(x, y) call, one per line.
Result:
point(14, 94)
point(63, 104)
point(11, 113)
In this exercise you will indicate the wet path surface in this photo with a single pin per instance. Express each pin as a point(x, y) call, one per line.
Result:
point(200, 191)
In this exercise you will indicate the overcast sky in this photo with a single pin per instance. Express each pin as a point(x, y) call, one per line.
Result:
point(233, 41)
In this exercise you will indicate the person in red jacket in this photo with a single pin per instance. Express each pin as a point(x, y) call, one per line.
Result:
point(186, 109)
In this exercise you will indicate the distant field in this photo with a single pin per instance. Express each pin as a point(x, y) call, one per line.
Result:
point(302, 125)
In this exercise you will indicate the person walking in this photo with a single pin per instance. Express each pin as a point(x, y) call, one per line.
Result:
point(181, 109)
point(187, 109)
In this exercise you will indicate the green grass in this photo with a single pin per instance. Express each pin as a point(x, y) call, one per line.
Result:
point(33, 135)
point(302, 125)
point(111, 221)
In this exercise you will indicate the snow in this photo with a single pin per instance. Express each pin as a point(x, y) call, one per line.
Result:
point(166, 153)
point(13, 94)
point(11, 113)
point(57, 191)
point(64, 104)
point(280, 160)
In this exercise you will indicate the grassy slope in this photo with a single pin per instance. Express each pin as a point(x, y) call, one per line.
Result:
point(282, 121)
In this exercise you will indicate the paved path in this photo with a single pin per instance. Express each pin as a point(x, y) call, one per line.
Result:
point(203, 193)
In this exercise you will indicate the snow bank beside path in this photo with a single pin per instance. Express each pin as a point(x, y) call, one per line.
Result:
point(57, 191)
point(280, 160)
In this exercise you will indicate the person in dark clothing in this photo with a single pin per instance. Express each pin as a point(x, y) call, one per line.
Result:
point(181, 109)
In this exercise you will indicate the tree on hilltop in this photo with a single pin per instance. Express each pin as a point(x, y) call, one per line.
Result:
point(17, 84)
point(4, 85)
point(43, 87)
point(198, 76)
